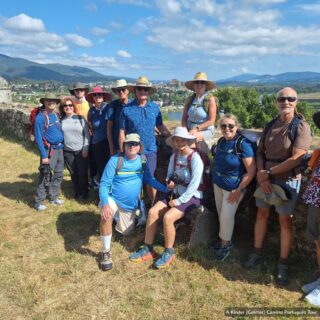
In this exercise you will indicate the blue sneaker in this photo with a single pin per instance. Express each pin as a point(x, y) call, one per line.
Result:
point(223, 252)
point(165, 259)
point(143, 254)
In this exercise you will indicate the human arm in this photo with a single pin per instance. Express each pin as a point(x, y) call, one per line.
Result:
point(107, 179)
point(164, 130)
point(122, 137)
point(86, 138)
point(106, 212)
point(184, 119)
point(153, 182)
point(38, 134)
point(109, 136)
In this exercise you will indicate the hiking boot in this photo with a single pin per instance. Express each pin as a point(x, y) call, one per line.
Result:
point(143, 254)
point(40, 207)
point(57, 202)
point(314, 297)
point(223, 252)
point(165, 259)
point(253, 261)
point(282, 275)
point(307, 288)
point(106, 260)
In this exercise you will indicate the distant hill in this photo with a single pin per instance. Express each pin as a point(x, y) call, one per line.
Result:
point(18, 69)
point(305, 77)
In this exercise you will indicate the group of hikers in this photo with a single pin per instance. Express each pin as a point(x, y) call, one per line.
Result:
point(115, 141)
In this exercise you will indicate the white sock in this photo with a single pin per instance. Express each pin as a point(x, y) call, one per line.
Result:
point(106, 242)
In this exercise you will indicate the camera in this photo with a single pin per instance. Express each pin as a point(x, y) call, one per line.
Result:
point(176, 179)
point(45, 169)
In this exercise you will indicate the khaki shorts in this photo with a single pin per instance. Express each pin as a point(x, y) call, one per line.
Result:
point(125, 219)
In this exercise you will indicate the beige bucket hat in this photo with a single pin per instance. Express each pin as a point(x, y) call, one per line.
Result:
point(143, 82)
point(200, 76)
point(276, 198)
point(122, 83)
point(181, 132)
point(50, 96)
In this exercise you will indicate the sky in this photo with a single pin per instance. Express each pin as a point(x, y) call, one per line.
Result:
point(165, 39)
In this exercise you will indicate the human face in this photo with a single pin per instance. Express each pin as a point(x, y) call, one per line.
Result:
point(79, 93)
point(199, 87)
point(285, 106)
point(180, 143)
point(98, 98)
point(122, 93)
point(142, 93)
point(131, 149)
point(68, 108)
point(50, 105)
point(228, 128)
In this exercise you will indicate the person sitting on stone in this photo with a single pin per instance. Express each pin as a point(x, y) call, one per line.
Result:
point(183, 177)
point(49, 140)
point(119, 191)
point(279, 156)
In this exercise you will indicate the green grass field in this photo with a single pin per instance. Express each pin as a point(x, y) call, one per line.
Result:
point(49, 269)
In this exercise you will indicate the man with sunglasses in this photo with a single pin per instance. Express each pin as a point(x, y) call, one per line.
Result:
point(78, 92)
point(119, 192)
point(121, 89)
point(278, 161)
point(143, 116)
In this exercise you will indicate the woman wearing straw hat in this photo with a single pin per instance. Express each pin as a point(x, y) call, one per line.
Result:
point(183, 177)
point(142, 116)
point(97, 122)
point(200, 109)
point(121, 89)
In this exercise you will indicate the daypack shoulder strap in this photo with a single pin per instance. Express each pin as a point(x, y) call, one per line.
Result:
point(190, 100)
point(120, 162)
point(238, 145)
point(189, 158)
point(293, 127)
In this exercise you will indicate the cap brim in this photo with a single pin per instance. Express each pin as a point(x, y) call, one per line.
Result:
point(106, 96)
point(152, 89)
point(209, 84)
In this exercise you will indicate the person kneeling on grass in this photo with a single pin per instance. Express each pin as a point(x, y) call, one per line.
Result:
point(119, 192)
point(183, 177)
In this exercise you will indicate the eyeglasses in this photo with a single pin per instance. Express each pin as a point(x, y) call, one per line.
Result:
point(283, 99)
point(142, 89)
point(229, 126)
point(132, 144)
point(79, 89)
point(200, 82)
point(121, 89)
point(97, 95)
point(68, 105)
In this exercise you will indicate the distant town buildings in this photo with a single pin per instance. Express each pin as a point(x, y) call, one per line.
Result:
point(5, 92)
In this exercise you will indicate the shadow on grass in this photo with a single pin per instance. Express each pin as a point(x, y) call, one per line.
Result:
point(76, 229)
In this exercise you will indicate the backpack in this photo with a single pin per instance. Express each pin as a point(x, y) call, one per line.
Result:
point(120, 164)
point(206, 177)
point(205, 102)
point(33, 114)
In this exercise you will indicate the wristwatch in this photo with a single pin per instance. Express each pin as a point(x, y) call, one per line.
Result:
point(198, 128)
point(242, 190)
point(269, 173)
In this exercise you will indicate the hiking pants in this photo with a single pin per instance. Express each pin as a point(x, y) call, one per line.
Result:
point(50, 185)
point(101, 154)
point(78, 168)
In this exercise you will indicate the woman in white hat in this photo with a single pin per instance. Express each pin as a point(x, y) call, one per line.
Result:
point(200, 109)
point(183, 177)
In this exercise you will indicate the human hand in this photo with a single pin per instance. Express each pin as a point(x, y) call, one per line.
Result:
point(266, 186)
point(172, 203)
point(234, 196)
point(45, 161)
point(262, 176)
point(84, 154)
point(106, 212)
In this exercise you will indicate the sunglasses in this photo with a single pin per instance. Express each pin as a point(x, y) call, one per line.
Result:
point(97, 95)
point(68, 105)
point(132, 144)
point(79, 89)
point(200, 82)
point(229, 126)
point(143, 89)
point(283, 99)
point(121, 90)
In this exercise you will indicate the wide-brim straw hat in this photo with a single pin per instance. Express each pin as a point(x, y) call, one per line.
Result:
point(98, 89)
point(200, 76)
point(143, 82)
point(50, 96)
point(316, 119)
point(181, 132)
point(78, 85)
point(276, 198)
point(122, 83)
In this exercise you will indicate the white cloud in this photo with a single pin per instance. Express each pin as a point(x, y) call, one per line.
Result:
point(141, 3)
point(115, 25)
point(22, 22)
point(313, 8)
point(91, 7)
point(99, 31)
point(123, 54)
point(78, 40)
point(263, 2)
point(169, 7)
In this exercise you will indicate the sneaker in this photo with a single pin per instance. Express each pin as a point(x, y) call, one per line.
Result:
point(253, 261)
point(40, 207)
point(307, 288)
point(165, 259)
point(282, 275)
point(223, 252)
point(314, 297)
point(57, 202)
point(143, 254)
point(106, 260)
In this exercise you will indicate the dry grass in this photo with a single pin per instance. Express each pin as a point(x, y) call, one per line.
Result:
point(48, 266)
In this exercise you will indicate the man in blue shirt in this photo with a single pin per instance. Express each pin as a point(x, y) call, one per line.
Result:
point(49, 139)
point(119, 192)
point(143, 116)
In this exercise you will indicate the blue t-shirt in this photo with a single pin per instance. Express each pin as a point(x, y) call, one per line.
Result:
point(125, 188)
point(97, 118)
point(114, 112)
point(142, 120)
point(229, 168)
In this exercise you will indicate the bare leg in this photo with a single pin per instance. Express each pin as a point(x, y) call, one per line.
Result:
point(286, 236)
point(106, 227)
point(168, 224)
point(261, 226)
